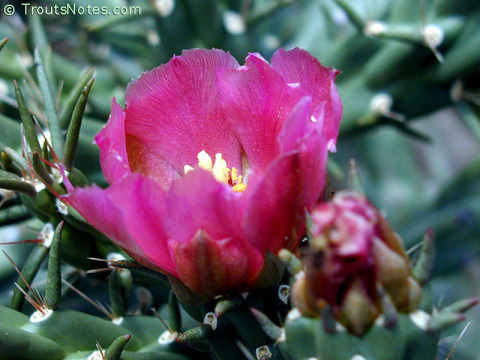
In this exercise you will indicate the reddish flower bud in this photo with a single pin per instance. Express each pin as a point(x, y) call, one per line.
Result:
point(353, 254)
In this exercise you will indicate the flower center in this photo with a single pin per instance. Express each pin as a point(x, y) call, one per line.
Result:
point(219, 170)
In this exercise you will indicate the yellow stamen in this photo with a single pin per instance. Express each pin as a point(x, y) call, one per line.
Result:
point(204, 160)
point(239, 186)
point(219, 170)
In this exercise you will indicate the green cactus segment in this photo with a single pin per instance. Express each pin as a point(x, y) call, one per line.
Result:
point(117, 300)
point(13, 214)
point(306, 338)
point(42, 205)
point(2, 43)
point(29, 270)
point(50, 107)
point(54, 275)
point(40, 169)
point(27, 121)
point(145, 329)
point(129, 355)
point(471, 116)
point(17, 344)
point(73, 132)
point(61, 326)
point(423, 269)
point(69, 104)
point(12, 317)
point(18, 185)
point(9, 136)
point(114, 351)
point(175, 317)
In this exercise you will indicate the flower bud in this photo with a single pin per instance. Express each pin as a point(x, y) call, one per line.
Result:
point(353, 253)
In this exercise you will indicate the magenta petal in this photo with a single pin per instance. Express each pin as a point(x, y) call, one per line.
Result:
point(256, 101)
point(198, 201)
point(174, 112)
point(299, 67)
point(111, 141)
point(275, 212)
point(130, 213)
point(211, 267)
point(157, 168)
point(313, 162)
point(297, 126)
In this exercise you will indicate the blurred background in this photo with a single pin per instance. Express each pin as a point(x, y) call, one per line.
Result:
point(409, 83)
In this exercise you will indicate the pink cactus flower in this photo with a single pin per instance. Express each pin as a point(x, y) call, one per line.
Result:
point(212, 164)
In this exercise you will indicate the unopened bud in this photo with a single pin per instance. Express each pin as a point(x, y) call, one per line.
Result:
point(353, 253)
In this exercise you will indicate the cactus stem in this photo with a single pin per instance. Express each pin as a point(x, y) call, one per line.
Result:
point(40, 170)
point(198, 334)
point(73, 96)
point(273, 331)
point(50, 108)
point(114, 351)
point(224, 306)
point(117, 299)
point(328, 321)
point(444, 319)
point(175, 317)
point(27, 121)
point(390, 320)
point(18, 185)
point(354, 177)
point(73, 133)
point(462, 305)
point(423, 269)
point(3, 42)
point(54, 276)
point(293, 264)
point(420, 318)
point(354, 17)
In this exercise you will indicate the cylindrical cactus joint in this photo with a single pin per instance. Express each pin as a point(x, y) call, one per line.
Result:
point(353, 252)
